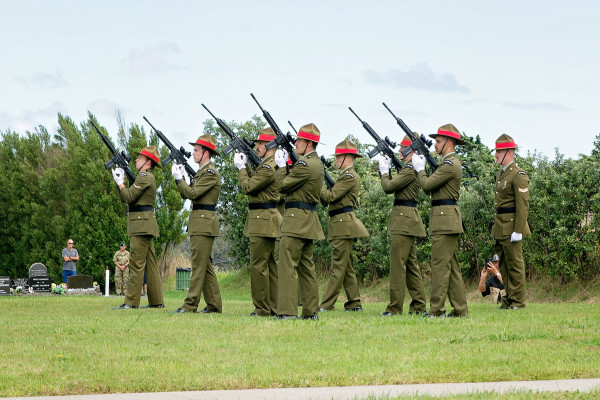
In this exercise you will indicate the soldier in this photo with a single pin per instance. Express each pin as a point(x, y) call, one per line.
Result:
point(445, 223)
point(262, 225)
point(300, 226)
point(121, 260)
point(511, 206)
point(203, 226)
point(343, 229)
point(404, 227)
point(142, 228)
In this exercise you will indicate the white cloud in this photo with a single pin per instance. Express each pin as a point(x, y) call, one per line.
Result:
point(103, 107)
point(43, 81)
point(151, 59)
point(419, 76)
point(541, 106)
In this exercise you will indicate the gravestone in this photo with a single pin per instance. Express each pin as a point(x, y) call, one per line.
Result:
point(80, 282)
point(40, 283)
point(4, 286)
point(38, 269)
point(22, 282)
point(38, 278)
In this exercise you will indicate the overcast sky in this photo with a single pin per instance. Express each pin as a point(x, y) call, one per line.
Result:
point(526, 68)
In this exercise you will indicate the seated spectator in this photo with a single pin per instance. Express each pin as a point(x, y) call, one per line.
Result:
point(493, 285)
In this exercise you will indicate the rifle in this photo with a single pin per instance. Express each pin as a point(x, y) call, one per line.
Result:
point(242, 145)
point(286, 141)
point(326, 164)
point(382, 146)
point(119, 159)
point(419, 145)
point(180, 156)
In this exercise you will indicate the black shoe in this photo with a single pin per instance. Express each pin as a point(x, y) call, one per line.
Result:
point(359, 308)
point(179, 311)
point(323, 310)
point(387, 314)
point(207, 310)
point(515, 308)
point(154, 306)
point(313, 317)
point(124, 307)
point(285, 317)
point(452, 314)
point(253, 314)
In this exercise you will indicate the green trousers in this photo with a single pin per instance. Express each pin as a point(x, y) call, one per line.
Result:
point(296, 270)
point(203, 279)
point(263, 275)
point(446, 276)
point(121, 280)
point(142, 257)
point(342, 274)
point(405, 274)
point(512, 268)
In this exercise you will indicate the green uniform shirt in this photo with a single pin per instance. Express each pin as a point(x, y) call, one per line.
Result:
point(260, 187)
point(121, 257)
point(444, 184)
point(343, 194)
point(205, 189)
point(302, 184)
point(404, 220)
point(512, 190)
point(141, 193)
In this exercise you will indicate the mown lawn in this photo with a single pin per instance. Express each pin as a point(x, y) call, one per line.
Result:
point(59, 345)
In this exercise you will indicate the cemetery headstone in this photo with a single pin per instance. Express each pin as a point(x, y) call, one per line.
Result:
point(80, 282)
point(38, 278)
point(4, 286)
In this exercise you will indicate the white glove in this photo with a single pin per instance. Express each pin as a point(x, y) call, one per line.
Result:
point(516, 237)
point(384, 164)
point(281, 157)
point(177, 170)
point(239, 160)
point(118, 176)
point(418, 161)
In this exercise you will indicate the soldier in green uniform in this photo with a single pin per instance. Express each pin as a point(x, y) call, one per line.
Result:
point(404, 227)
point(511, 205)
point(121, 260)
point(300, 226)
point(203, 226)
point(445, 223)
point(142, 228)
point(343, 229)
point(262, 225)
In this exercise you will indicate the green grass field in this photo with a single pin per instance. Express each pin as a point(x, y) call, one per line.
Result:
point(58, 345)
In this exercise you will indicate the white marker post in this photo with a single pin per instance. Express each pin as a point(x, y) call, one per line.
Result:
point(106, 287)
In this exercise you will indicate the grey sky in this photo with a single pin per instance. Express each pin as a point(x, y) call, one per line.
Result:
point(528, 69)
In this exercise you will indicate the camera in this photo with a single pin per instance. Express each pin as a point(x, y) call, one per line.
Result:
point(487, 261)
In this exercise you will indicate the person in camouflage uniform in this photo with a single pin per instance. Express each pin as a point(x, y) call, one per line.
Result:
point(121, 260)
point(203, 226)
point(511, 206)
point(445, 223)
point(300, 226)
point(262, 225)
point(404, 227)
point(142, 228)
point(343, 229)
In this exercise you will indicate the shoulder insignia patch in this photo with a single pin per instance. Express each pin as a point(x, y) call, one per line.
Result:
point(267, 166)
point(448, 162)
point(409, 166)
point(349, 175)
point(522, 173)
point(143, 174)
point(301, 162)
point(210, 171)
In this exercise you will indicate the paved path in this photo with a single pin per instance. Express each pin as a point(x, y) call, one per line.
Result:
point(349, 392)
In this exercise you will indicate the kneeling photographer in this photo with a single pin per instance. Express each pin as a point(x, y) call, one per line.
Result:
point(493, 285)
